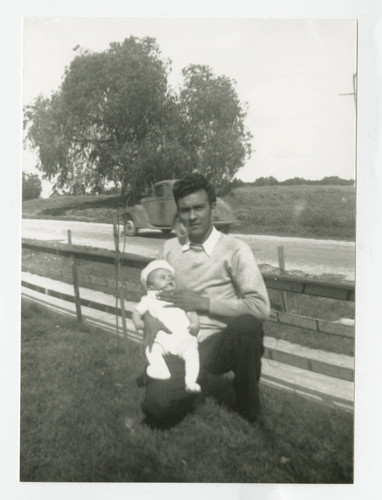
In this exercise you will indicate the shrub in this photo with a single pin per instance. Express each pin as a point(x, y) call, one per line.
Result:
point(31, 186)
point(266, 181)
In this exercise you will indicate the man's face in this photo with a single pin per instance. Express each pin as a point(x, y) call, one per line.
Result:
point(195, 213)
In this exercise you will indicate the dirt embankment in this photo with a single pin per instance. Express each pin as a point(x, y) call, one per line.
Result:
point(324, 212)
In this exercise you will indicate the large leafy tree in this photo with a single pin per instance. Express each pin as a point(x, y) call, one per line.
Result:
point(104, 120)
point(114, 118)
point(215, 132)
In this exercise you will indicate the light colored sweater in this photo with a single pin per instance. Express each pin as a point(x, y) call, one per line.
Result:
point(228, 275)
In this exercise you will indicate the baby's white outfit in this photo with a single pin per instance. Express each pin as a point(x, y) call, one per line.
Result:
point(179, 342)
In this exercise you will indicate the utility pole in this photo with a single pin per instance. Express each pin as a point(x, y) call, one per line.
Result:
point(354, 93)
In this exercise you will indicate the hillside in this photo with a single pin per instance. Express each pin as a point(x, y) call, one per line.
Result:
point(326, 212)
point(304, 211)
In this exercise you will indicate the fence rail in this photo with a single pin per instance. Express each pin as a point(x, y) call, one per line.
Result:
point(273, 281)
point(313, 324)
point(278, 352)
point(309, 363)
point(319, 288)
point(86, 253)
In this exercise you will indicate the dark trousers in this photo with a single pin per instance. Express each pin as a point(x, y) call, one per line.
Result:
point(238, 348)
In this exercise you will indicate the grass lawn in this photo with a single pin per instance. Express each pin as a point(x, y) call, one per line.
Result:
point(305, 211)
point(326, 212)
point(77, 387)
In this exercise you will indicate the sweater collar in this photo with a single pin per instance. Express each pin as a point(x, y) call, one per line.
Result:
point(208, 245)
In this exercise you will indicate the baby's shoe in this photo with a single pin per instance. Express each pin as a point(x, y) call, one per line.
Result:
point(155, 372)
point(193, 387)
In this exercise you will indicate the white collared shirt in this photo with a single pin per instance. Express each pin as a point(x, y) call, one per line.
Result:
point(208, 245)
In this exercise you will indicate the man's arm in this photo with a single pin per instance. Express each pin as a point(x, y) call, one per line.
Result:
point(138, 321)
point(252, 296)
point(151, 327)
point(146, 324)
point(251, 303)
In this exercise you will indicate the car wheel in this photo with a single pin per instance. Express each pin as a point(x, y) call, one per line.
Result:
point(130, 227)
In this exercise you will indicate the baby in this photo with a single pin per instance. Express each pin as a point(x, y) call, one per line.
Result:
point(182, 327)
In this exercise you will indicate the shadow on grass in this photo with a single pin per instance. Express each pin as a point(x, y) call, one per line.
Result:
point(155, 235)
point(83, 203)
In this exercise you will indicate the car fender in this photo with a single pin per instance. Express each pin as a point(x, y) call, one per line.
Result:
point(139, 216)
point(223, 213)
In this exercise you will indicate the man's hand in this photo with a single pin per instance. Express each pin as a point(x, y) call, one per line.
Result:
point(193, 329)
point(186, 300)
point(152, 327)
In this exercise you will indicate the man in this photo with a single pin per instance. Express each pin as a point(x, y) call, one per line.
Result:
point(217, 276)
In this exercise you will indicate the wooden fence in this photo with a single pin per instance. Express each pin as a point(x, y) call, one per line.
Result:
point(280, 282)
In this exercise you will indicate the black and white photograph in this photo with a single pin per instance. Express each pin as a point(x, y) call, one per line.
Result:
point(189, 301)
point(191, 179)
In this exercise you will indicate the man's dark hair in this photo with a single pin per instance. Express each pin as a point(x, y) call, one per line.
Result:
point(192, 183)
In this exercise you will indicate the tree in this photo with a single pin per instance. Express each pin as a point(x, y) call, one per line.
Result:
point(266, 181)
point(31, 186)
point(334, 180)
point(114, 118)
point(215, 135)
point(100, 120)
point(294, 181)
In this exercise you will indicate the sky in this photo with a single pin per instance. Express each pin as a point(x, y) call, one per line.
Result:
point(288, 73)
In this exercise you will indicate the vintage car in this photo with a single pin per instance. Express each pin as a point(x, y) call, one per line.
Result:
point(157, 210)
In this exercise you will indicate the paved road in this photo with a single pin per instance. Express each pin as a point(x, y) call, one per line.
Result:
point(316, 257)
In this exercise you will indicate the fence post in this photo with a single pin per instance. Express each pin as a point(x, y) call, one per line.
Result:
point(280, 252)
point(119, 291)
point(123, 312)
point(75, 280)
